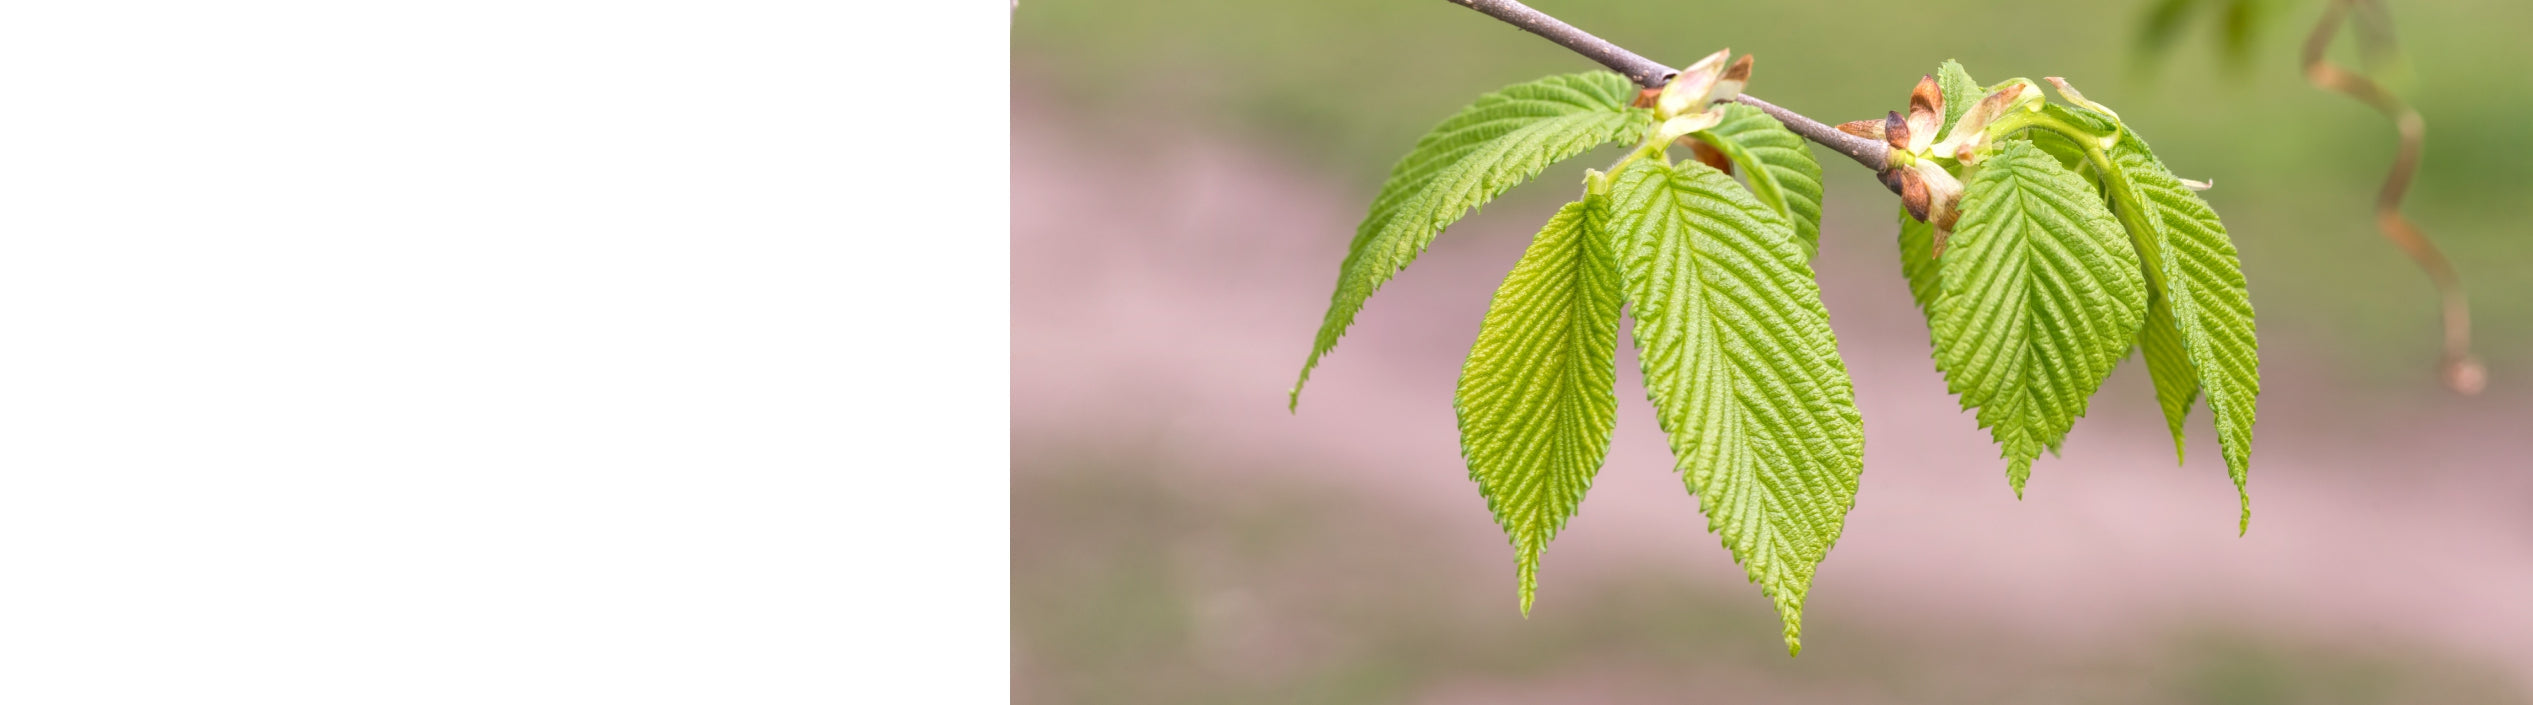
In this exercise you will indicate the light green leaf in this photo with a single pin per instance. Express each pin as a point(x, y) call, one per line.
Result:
point(1538, 396)
point(2042, 297)
point(1779, 166)
point(2069, 154)
point(1502, 140)
point(1960, 92)
point(1918, 264)
point(1917, 238)
point(1742, 369)
point(2191, 262)
point(2201, 280)
point(2168, 364)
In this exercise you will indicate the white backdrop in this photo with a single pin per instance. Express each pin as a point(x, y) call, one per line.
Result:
point(503, 352)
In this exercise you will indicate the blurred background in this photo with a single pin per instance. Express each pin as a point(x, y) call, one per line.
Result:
point(1185, 177)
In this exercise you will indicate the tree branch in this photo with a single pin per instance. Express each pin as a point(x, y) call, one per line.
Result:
point(1645, 72)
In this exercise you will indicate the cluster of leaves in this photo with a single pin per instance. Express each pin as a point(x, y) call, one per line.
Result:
point(2044, 242)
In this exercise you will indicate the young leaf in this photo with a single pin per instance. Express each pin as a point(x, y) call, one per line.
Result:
point(2191, 263)
point(2069, 154)
point(2201, 282)
point(1917, 238)
point(1919, 266)
point(1742, 369)
point(1538, 396)
point(1502, 140)
point(1779, 165)
point(2169, 366)
point(1960, 92)
point(2042, 297)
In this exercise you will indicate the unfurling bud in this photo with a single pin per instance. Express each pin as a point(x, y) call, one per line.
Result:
point(1691, 90)
point(1943, 195)
point(1729, 87)
point(1970, 133)
point(1926, 114)
point(2069, 92)
point(1930, 195)
point(1678, 127)
point(1913, 195)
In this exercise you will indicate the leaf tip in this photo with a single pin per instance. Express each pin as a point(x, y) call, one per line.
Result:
point(2243, 526)
point(1293, 398)
point(1529, 577)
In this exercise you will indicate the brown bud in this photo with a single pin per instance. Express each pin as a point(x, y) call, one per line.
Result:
point(1868, 129)
point(1913, 194)
point(1895, 131)
point(1735, 77)
point(1926, 111)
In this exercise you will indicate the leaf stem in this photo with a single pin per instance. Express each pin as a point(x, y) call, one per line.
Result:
point(1650, 74)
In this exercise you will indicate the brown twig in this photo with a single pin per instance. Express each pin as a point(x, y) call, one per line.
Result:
point(2462, 371)
point(1645, 72)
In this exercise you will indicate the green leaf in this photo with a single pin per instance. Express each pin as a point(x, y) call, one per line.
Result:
point(2042, 297)
point(1779, 165)
point(1538, 396)
point(1742, 369)
point(1960, 92)
point(2191, 262)
point(1502, 140)
point(1918, 264)
point(2201, 281)
point(2069, 154)
point(2169, 366)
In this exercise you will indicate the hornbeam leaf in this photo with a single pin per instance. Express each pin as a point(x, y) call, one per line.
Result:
point(2042, 297)
point(2201, 282)
point(1780, 167)
point(1917, 238)
point(1742, 369)
point(1960, 92)
point(2066, 150)
point(2191, 262)
point(1538, 396)
point(2168, 365)
point(1502, 140)
point(1919, 266)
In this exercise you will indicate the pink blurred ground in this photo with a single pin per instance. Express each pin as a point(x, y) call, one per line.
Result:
point(1165, 292)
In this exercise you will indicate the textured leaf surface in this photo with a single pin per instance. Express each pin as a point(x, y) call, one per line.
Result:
point(1919, 266)
point(1538, 396)
point(2200, 278)
point(2042, 297)
point(1502, 140)
point(1784, 166)
point(1742, 369)
point(2168, 364)
point(1917, 239)
point(1960, 92)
